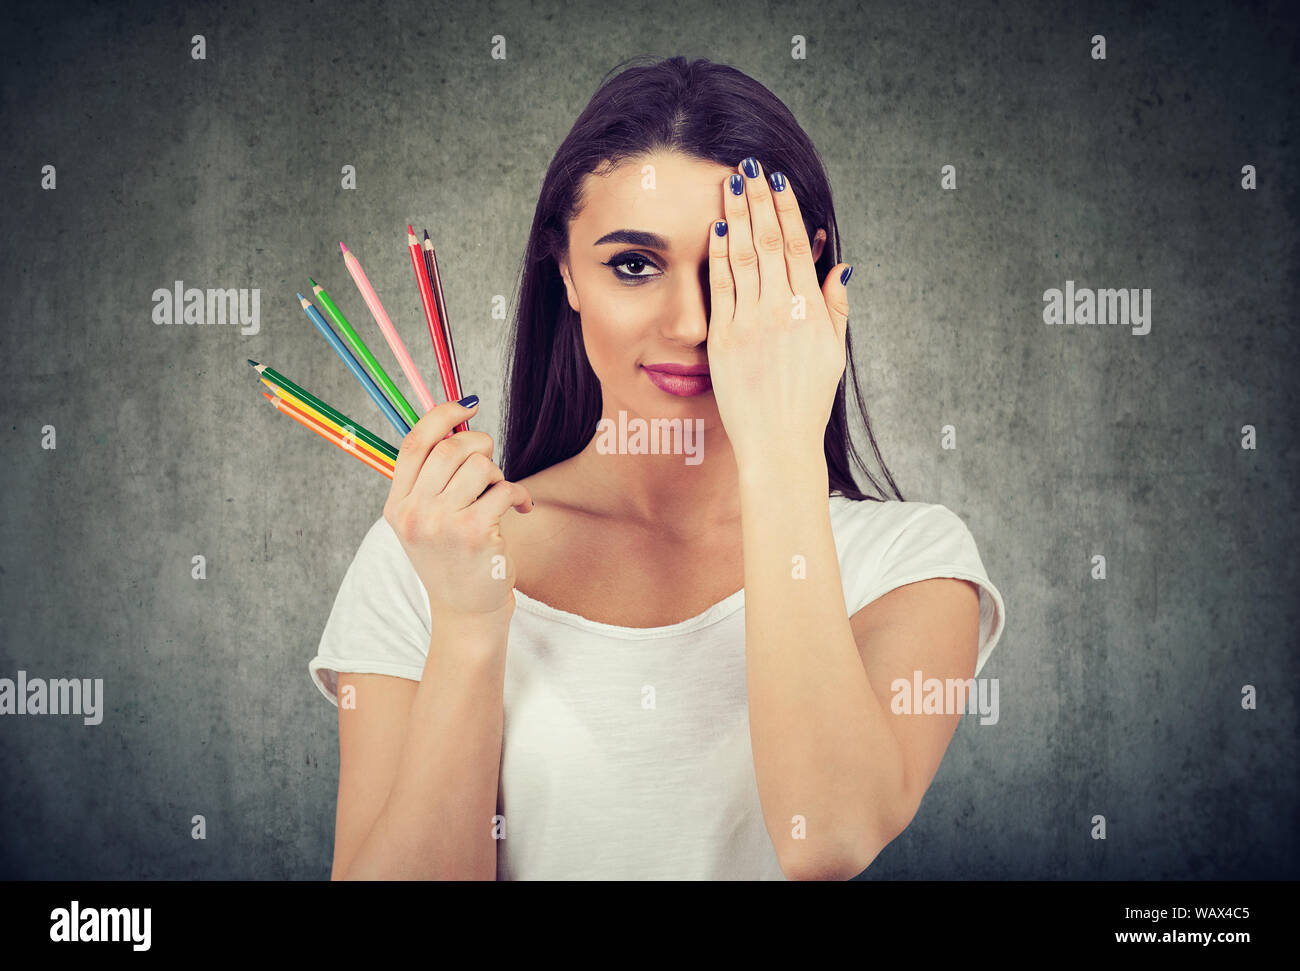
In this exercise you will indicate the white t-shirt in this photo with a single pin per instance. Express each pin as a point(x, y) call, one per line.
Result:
point(594, 784)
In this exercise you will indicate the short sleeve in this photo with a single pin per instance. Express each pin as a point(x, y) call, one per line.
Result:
point(380, 622)
point(905, 542)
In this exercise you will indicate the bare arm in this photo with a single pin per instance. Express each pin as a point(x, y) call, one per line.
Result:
point(828, 749)
point(419, 763)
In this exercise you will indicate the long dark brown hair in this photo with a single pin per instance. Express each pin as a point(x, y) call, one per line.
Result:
point(703, 110)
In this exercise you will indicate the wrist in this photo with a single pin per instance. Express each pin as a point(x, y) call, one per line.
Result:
point(783, 471)
point(479, 633)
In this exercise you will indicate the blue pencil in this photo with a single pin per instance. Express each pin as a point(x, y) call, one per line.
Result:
point(366, 380)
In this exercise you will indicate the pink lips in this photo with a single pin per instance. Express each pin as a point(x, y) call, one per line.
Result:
point(683, 380)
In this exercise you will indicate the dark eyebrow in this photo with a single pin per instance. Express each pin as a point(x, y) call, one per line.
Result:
point(634, 237)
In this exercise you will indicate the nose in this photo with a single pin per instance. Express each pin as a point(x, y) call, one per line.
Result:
point(687, 320)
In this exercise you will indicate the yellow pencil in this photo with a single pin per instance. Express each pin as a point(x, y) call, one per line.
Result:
point(286, 407)
point(329, 423)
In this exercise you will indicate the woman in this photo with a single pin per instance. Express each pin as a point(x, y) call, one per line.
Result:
point(615, 658)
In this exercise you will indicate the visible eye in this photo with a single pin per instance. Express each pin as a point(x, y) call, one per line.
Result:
point(634, 262)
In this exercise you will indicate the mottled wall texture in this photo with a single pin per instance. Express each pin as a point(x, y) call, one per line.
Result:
point(1169, 165)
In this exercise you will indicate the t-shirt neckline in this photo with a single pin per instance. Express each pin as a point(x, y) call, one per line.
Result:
point(711, 615)
point(718, 612)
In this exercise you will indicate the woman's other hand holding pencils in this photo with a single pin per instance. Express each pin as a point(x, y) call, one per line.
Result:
point(445, 505)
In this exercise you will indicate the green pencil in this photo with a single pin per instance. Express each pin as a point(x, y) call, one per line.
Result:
point(342, 420)
point(363, 353)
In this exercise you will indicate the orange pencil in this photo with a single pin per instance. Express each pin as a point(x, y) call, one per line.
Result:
point(282, 405)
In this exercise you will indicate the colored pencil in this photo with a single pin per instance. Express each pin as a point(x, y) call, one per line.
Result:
point(363, 353)
point(337, 417)
point(348, 437)
point(440, 303)
point(284, 407)
point(344, 430)
point(390, 332)
point(431, 315)
point(363, 435)
point(358, 372)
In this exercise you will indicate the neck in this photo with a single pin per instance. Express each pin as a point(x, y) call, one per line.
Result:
point(682, 492)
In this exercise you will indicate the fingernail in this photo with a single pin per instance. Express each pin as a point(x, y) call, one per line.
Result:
point(778, 181)
point(737, 184)
point(469, 402)
point(750, 167)
point(844, 277)
point(720, 228)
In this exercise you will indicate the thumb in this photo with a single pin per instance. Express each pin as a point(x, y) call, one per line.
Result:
point(523, 499)
point(835, 292)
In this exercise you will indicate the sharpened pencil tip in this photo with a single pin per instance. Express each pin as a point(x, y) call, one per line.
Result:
point(426, 234)
point(252, 362)
point(342, 247)
point(301, 298)
point(409, 229)
point(313, 283)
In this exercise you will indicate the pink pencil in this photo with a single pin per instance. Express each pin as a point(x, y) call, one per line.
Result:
point(390, 332)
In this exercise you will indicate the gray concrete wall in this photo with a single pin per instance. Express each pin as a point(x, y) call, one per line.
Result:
point(1119, 697)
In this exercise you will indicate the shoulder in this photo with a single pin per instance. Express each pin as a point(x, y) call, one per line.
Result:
point(379, 546)
point(558, 535)
point(887, 545)
point(380, 572)
point(883, 545)
point(886, 510)
point(565, 506)
point(891, 524)
point(380, 621)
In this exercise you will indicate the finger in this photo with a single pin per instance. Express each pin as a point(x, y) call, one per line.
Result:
point(740, 241)
point(492, 505)
point(799, 266)
point(436, 424)
point(476, 474)
point(446, 457)
point(722, 288)
point(769, 243)
point(836, 294)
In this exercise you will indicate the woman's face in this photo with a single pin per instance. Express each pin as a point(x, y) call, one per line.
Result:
point(637, 272)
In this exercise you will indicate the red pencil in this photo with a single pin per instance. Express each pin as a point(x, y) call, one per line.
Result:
point(440, 302)
point(440, 305)
point(431, 316)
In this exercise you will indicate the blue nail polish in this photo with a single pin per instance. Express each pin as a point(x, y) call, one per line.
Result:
point(720, 228)
point(844, 277)
point(778, 181)
point(469, 402)
point(750, 167)
point(737, 185)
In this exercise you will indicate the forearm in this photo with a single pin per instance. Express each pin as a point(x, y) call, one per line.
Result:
point(822, 746)
point(437, 821)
